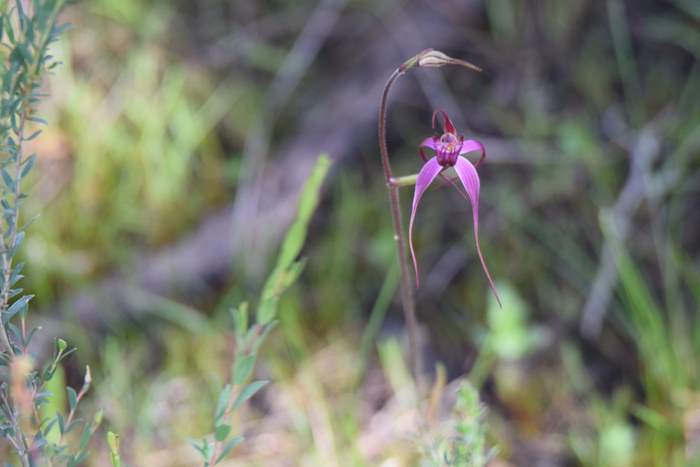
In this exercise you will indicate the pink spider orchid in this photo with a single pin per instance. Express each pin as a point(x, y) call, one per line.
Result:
point(449, 149)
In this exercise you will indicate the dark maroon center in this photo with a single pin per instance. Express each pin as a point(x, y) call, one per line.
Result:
point(447, 149)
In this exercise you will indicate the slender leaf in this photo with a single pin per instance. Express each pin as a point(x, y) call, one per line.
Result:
point(224, 397)
point(248, 392)
point(243, 368)
point(228, 447)
point(285, 272)
point(16, 307)
point(72, 397)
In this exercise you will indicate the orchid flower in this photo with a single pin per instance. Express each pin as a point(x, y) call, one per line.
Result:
point(449, 149)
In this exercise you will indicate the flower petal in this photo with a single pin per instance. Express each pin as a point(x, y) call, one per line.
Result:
point(472, 145)
point(427, 174)
point(470, 180)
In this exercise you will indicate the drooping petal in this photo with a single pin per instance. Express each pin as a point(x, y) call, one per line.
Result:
point(446, 122)
point(472, 145)
point(427, 174)
point(470, 180)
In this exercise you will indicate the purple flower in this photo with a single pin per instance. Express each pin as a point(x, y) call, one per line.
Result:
point(449, 148)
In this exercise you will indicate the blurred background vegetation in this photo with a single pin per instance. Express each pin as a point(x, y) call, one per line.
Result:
point(181, 132)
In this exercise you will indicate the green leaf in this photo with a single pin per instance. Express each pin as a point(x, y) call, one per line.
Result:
point(20, 12)
point(28, 164)
point(46, 429)
point(283, 280)
point(79, 458)
point(203, 449)
point(38, 120)
point(16, 307)
point(33, 135)
point(267, 329)
point(61, 424)
point(10, 33)
point(235, 441)
point(85, 437)
point(72, 397)
point(248, 392)
point(224, 397)
point(296, 235)
point(222, 431)
point(16, 276)
point(240, 319)
point(243, 368)
point(9, 182)
point(19, 238)
point(287, 269)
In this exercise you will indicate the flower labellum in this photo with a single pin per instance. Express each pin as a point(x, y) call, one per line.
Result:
point(449, 149)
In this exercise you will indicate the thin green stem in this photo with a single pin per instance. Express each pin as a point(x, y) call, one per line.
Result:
point(406, 180)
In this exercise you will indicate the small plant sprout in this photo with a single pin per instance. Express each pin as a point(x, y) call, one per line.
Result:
point(449, 149)
point(113, 443)
point(250, 336)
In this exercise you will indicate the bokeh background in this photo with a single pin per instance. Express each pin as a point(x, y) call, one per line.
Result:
point(181, 133)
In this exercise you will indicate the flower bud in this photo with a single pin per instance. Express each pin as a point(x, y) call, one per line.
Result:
point(88, 376)
point(435, 58)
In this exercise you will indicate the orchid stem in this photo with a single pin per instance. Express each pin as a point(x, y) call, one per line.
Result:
point(407, 180)
point(393, 184)
point(426, 58)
